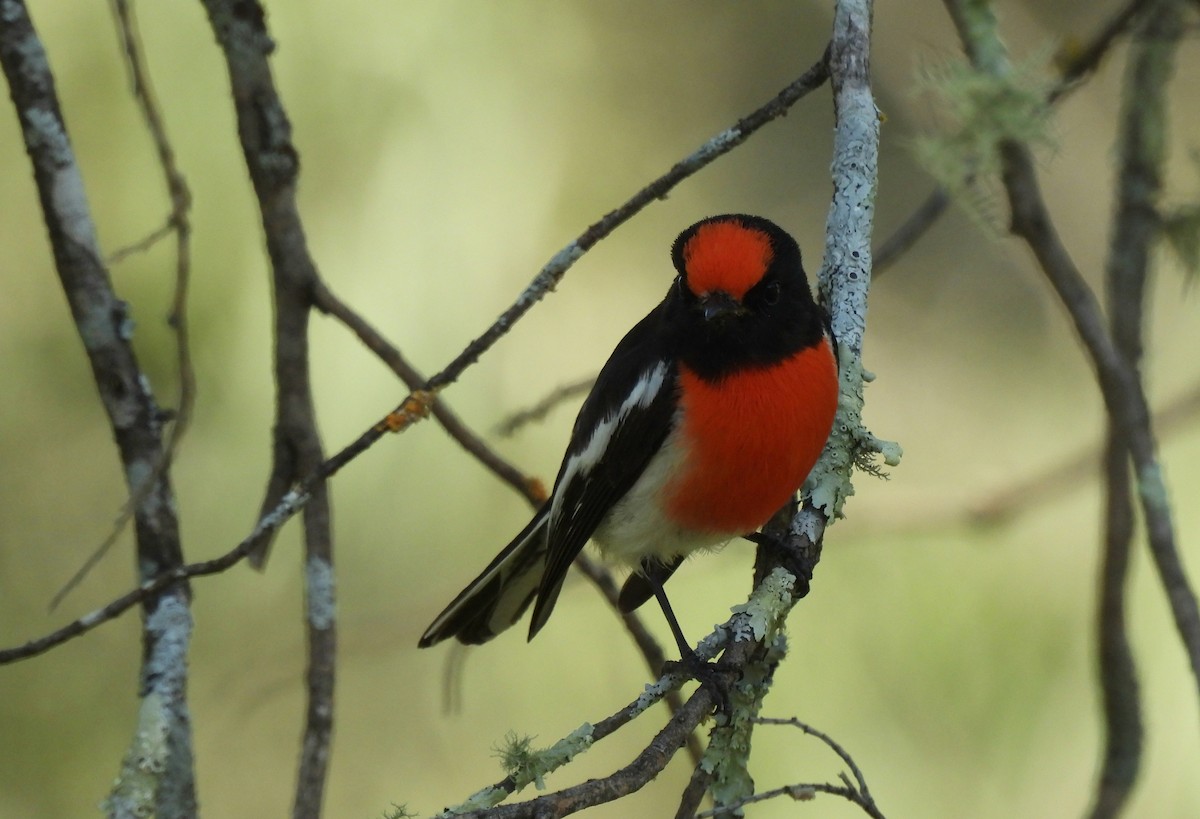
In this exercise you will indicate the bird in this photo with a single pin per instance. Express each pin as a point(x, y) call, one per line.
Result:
point(704, 422)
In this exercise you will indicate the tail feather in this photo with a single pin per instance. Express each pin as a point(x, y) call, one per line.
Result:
point(499, 596)
point(640, 586)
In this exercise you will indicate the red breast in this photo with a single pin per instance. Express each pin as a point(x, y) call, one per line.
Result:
point(754, 436)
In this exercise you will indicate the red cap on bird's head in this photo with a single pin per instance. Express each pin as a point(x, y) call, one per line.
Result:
point(724, 254)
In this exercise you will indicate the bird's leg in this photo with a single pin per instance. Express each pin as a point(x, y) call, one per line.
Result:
point(709, 674)
point(686, 652)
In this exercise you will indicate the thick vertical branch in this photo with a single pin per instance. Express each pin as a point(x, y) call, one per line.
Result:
point(274, 167)
point(106, 329)
point(1120, 386)
point(1142, 152)
point(844, 282)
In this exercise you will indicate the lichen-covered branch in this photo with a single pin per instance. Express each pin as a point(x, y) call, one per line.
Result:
point(1076, 62)
point(1119, 382)
point(844, 282)
point(746, 639)
point(106, 330)
point(179, 223)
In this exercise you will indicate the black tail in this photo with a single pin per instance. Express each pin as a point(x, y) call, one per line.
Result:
point(640, 586)
point(499, 596)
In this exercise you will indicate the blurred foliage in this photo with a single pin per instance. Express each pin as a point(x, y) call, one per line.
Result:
point(985, 111)
point(448, 149)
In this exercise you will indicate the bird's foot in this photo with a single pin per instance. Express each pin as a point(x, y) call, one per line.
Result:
point(717, 675)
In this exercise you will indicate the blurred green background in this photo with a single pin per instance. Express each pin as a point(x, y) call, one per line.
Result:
point(448, 149)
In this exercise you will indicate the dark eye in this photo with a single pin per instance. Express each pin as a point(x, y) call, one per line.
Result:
point(771, 295)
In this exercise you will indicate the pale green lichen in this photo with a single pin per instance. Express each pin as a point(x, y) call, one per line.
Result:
point(728, 754)
point(319, 579)
point(524, 765)
point(135, 791)
point(1153, 489)
point(763, 615)
point(1181, 232)
point(986, 108)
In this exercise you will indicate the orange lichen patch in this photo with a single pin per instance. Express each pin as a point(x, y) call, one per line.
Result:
point(726, 256)
point(537, 490)
point(755, 436)
point(415, 408)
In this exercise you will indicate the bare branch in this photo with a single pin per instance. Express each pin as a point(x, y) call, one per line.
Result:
point(801, 792)
point(106, 331)
point(177, 222)
point(542, 408)
point(860, 787)
point(325, 300)
point(273, 164)
point(1048, 484)
point(1076, 62)
point(911, 230)
point(153, 587)
point(1120, 386)
point(1136, 226)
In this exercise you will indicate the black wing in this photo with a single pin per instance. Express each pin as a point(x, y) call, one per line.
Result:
point(620, 427)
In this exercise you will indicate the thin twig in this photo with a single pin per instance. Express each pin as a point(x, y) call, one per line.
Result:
point(542, 408)
point(800, 792)
point(531, 488)
point(843, 754)
point(145, 243)
point(856, 792)
point(151, 588)
point(911, 230)
point(1048, 484)
point(1077, 62)
point(177, 222)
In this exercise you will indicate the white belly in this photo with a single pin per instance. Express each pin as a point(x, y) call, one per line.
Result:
point(636, 527)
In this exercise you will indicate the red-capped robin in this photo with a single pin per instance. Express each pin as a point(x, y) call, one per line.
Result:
point(704, 422)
